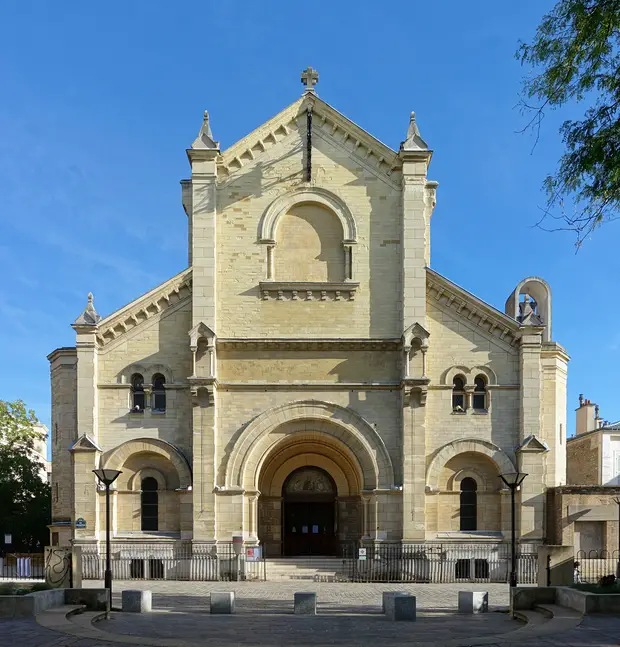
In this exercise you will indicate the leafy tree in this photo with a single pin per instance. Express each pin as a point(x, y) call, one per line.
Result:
point(25, 500)
point(576, 52)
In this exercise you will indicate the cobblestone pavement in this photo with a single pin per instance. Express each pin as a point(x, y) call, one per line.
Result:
point(349, 614)
point(190, 596)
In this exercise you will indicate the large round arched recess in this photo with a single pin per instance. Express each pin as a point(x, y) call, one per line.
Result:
point(309, 245)
point(309, 520)
point(155, 476)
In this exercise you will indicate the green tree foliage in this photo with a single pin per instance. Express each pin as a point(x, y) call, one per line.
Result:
point(575, 55)
point(25, 500)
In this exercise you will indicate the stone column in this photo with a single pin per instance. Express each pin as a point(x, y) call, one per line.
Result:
point(86, 501)
point(532, 462)
point(203, 155)
point(414, 465)
point(204, 463)
point(415, 231)
point(86, 347)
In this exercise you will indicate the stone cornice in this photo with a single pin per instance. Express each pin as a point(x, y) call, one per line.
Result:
point(308, 291)
point(308, 344)
point(63, 354)
point(494, 323)
point(293, 385)
point(150, 304)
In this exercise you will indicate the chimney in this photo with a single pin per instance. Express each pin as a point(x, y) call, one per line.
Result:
point(587, 416)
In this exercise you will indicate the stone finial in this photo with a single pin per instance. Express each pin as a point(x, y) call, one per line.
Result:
point(414, 141)
point(89, 317)
point(310, 77)
point(205, 139)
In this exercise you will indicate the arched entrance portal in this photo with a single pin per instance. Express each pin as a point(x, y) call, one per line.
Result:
point(309, 513)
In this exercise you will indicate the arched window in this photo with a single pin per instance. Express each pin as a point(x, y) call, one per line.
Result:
point(469, 504)
point(159, 393)
point(150, 504)
point(137, 393)
point(480, 394)
point(458, 394)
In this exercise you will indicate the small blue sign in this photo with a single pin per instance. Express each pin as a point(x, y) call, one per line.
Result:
point(80, 523)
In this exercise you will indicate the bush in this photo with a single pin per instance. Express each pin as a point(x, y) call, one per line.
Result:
point(607, 580)
point(12, 588)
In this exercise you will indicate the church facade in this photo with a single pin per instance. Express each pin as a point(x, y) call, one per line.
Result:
point(308, 382)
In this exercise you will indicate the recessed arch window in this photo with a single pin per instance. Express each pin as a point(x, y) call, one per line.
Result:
point(480, 393)
point(159, 393)
point(149, 509)
point(458, 394)
point(468, 512)
point(137, 393)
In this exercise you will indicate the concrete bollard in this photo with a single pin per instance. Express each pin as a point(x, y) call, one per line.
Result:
point(305, 604)
point(404, 608)
point(223, 602)
point(388, 600)
point(473, 602)
point(136, 601)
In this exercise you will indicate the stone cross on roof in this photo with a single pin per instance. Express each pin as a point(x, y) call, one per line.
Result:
point(309, 77)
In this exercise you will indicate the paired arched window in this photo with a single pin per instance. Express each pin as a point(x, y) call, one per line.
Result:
point(159, 393)
point(137, 393)
point(480, 394)
point(149, 509)
point(469, 504)
point(458, 394)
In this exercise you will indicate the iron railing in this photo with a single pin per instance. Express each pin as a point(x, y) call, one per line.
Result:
point(439, 563)
point(22, 566)
point(592, 565)
point(174, 562)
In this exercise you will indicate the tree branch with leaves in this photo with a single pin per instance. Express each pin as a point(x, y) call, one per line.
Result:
point(25, 499)
point(576, 57)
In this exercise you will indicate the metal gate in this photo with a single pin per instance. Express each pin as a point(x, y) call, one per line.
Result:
point(592, 565)
point(438, 563)
point(174, 562)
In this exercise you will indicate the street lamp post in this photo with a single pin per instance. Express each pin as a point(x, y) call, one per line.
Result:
point(513, 480)
point(617, 501)
point(107, 477)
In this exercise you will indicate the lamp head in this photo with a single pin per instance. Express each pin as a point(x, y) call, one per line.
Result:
point(107, 477)
point(513, 479)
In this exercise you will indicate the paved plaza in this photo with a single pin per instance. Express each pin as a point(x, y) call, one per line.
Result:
point(348, 614)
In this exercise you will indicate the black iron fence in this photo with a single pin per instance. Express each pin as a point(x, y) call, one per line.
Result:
point(438, 563)
point(176, 562)
point(22, 566)
point(592, 565)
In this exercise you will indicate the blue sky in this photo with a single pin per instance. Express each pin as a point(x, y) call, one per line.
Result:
point(100, 100)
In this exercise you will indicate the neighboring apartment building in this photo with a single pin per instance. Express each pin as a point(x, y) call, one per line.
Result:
point(584, 513)
point(40, 453)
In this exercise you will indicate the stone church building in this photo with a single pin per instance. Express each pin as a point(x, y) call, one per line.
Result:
point(308, 381)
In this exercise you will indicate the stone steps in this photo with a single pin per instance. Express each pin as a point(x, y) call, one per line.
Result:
point(304, 568)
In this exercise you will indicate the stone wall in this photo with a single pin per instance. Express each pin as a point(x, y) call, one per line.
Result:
point(63, 432)
point(242, 263)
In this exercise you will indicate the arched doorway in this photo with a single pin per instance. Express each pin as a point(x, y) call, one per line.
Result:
point(309, 513)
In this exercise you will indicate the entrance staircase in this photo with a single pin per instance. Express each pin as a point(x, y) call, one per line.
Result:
point(316, 569)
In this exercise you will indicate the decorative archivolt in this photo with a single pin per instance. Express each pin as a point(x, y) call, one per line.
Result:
point(261, 435)
point(135, 482)
point(119, 455)
point(456, 447)
point(147, 370)
point(469, 374)
point(269, 222)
